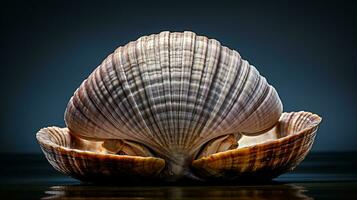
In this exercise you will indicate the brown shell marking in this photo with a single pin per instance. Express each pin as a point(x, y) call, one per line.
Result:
point(294, 136)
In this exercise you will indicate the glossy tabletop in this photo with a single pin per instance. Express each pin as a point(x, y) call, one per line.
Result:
point(319, 176)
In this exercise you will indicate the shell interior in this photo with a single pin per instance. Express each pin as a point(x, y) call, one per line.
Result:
point(256, 157)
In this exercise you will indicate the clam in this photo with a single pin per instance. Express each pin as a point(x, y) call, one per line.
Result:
point(173, 106)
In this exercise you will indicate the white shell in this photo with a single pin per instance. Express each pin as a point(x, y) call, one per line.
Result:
point(173, 92)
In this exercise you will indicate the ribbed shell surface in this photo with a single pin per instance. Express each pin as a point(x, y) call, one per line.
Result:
point(172, 92)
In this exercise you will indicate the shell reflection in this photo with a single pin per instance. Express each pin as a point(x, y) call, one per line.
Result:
point(257, 192)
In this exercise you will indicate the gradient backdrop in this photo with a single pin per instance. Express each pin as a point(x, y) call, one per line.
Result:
point(307, 50)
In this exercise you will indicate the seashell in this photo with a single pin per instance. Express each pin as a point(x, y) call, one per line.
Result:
point(172, 106)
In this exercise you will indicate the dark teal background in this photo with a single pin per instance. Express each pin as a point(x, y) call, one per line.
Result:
point(307, 50)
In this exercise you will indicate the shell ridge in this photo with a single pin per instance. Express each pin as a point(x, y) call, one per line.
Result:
point(165, 117)
point(93, 89)
point(181, 120)
point(140, 53)
point(267, 101)
point(164, 54)
point(137, 94)
point(174, 70)
point(206, 81)
point(252, 83)
point(300, 120)
point(84, 110)
point(174, 52)
point(128, 73)
point(213, 95)
point(122, 119)
point(120, 70)
point(283, 125)
point(305, 116)
point(120, 88)
point(228, 78)
point(191, 37)
point(187, 62)
point(288, 117)
point(73, 113)
point(234, 92)
point(204, 114)
point(237, 104)
point(202, 91)
point(169, 96)
point(261, 108)
point(265, 92)
point(200, 57)
point(219, 83)
point(156, 94)
point(255, 88)
point(117, 103)
point(95, 104)
point(180, 114)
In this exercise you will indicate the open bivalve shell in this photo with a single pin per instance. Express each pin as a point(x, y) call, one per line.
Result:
point(174, 106)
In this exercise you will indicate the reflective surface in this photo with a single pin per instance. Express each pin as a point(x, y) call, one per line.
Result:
point(320, 176)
